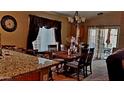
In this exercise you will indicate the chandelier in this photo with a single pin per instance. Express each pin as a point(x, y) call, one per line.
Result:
point(76, 19)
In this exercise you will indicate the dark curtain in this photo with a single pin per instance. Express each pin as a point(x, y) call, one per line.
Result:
point(33, 32)
point(36, 22)
point(58, 34)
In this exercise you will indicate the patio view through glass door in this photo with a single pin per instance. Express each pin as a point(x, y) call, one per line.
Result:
point(103, 39)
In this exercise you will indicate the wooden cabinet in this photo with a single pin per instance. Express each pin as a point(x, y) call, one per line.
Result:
point(30, 76)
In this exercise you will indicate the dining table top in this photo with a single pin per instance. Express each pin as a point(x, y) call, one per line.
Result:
point(64, 55)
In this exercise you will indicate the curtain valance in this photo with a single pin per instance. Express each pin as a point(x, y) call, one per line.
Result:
point(38, 22)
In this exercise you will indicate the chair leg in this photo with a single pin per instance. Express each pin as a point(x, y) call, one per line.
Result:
point(84, 72)
point(57, 68)
point(78, 74)
point(50, 77)
point(65, 68)
point(91, 69)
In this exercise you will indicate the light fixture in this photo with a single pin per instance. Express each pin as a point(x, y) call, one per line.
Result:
point(76, 19)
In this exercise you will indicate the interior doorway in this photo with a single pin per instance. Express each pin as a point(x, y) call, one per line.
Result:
point(103, 39)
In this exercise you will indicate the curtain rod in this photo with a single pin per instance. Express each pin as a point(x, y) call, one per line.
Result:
point(104, 26)
point(42, 17)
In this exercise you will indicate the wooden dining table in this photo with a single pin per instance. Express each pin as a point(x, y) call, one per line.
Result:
point(64, 55)
point(64, 58)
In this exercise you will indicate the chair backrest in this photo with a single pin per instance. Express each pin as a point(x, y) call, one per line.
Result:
point(83, 56)
point(23, 50)
point(114, 49)
point(32, 52)
point(90, 56)
point(52, 47)
point(11, 47)
point(91, 50)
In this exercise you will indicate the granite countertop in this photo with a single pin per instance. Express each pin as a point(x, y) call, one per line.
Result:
point(15, 63)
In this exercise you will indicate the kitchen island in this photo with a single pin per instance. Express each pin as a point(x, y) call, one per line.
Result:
point(18, 66)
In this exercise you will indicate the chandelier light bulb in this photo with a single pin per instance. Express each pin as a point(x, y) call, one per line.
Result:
point(76, 18)
point(83, 19)
point(79, 21)
point(70, 19)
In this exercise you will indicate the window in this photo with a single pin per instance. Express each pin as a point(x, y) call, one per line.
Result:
point(103, 39)
point(45, 37)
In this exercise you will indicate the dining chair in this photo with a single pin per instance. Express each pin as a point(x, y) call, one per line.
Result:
point(31, 52)
point(52, 48)
point(23, 50)
point(88, 62)
point(10, 47)
point(77, 65)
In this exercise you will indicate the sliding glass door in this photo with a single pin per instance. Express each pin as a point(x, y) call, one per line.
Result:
point(103, 39)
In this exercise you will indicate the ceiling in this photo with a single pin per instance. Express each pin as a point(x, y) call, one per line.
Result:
point(87, 14)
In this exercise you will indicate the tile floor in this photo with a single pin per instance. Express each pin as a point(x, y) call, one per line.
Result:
point(99, 73)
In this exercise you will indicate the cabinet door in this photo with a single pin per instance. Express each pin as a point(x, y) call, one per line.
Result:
point(31, 76)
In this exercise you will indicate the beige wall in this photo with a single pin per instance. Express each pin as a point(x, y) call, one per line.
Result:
point(19, 36)
point(121, 35)
point(112, 18)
